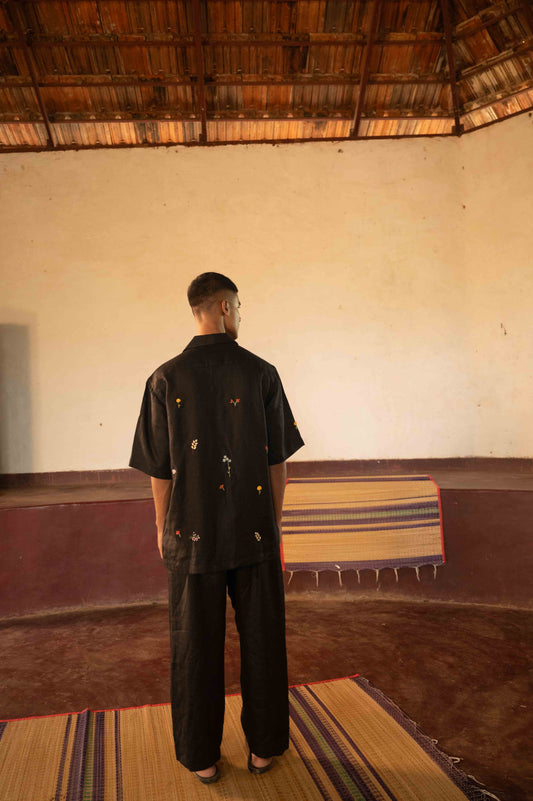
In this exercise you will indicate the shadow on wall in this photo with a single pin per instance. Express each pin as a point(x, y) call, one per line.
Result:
point(16, 440)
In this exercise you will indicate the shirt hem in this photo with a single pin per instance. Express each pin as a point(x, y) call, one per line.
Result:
point(219, 569)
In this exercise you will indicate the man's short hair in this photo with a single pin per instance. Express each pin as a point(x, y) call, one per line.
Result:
point(205, 286)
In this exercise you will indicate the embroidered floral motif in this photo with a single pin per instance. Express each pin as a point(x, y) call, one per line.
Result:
point(222, 487)
point(227, 462)
point(257, 536)
point(178, 401)
point(178, 533)
point(194, 444)
point(259, 488)
point(295, 424)
point(195, 537)
point(236, 401)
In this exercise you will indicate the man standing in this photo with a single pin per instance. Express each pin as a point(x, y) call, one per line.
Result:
point(214, 432)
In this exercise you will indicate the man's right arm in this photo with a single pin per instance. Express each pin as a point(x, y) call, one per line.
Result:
point(278, 480)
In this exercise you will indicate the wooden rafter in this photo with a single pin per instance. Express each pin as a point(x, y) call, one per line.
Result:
point(345, 116)
point(14, 13)
point(528, 11)
point(427, 39)
point(200, 68)
point(468, 108)
point(525, 47)
point(451, 64)
point(365, 72)
point(96, 81)
point(462, 31)
point(229, 2)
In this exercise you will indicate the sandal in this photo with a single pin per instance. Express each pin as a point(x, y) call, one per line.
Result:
point(253, 769)
point(209, 779)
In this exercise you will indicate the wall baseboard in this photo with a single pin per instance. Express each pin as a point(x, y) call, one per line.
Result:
point(295, 468)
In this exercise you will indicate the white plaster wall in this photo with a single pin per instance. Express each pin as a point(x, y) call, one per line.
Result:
point(499, 285)
point(367, 273)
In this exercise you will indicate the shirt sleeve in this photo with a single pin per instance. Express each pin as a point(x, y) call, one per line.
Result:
point(151, 449)
point(284, 439)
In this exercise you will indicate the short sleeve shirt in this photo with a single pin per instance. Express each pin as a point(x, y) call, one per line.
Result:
point(212, 420)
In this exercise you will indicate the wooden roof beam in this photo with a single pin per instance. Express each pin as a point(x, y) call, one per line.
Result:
point(431, 38)
point(497, 98)
point(291, 2)
point(365, 72)
point(13, 12)
point(521, 49)
point(451, 65)
point(483, 25)
point(200, 68)
point(117, 81)
point(344, 116)
point(528, 11)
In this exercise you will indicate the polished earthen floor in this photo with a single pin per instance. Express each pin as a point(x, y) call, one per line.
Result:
point(139, 486)
point(462, 672)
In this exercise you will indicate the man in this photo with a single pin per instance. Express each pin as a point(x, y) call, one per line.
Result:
point(214, 432)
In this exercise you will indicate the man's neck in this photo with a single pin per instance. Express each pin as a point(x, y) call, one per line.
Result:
point(210, 328)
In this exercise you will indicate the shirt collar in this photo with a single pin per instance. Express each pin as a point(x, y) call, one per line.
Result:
point(210, 339)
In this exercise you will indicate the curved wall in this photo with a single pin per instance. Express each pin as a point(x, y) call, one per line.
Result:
point(388, 281)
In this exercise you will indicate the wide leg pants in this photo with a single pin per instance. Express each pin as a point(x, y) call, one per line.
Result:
point(197, 611)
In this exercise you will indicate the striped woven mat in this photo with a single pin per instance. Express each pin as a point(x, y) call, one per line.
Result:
point(355, 523)
point(347, 741)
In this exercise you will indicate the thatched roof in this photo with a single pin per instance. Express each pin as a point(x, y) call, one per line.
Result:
point(90, 73)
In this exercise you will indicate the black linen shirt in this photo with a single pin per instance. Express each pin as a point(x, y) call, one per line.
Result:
point(213, 419)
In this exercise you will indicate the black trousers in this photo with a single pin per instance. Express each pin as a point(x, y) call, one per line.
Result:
point(197, 611)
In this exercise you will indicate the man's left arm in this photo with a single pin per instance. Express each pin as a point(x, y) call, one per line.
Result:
point(161, 488)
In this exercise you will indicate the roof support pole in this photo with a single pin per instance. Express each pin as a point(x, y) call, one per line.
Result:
point(200, 69)
point(28, 55)
point(374, 21)
point(445, 7)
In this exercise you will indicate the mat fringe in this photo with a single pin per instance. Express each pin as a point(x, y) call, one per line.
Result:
point(462, 779)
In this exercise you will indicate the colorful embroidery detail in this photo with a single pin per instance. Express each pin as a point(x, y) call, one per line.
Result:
point(296, 424)
point(194, 444)
point(178, 401)
point(222, 487)
point(236, 401)
point(257, 536)
point(259, 488)
point(178, 533)
point(195, 537)
point(227, 462)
